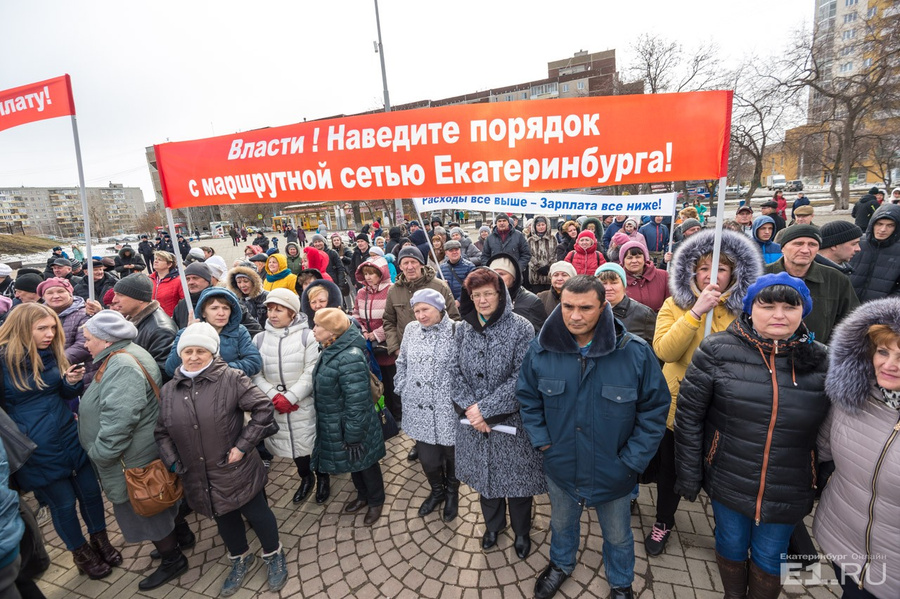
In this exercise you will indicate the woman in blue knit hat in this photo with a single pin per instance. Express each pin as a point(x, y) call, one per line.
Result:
point(749, 411)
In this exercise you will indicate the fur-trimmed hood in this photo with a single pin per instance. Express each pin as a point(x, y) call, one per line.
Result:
point(250, 274)
point(850, 370)
point(738, 247)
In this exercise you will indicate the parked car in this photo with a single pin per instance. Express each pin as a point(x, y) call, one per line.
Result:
point(775, 182)
point(795, 185)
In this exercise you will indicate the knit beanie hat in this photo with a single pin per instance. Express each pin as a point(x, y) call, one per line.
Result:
point(690, 223)
point(457, 231)
point(503, 264)
point(363, 237)
point(620, 238)
point(197, 254)
point(874, 190)
point(5, 270)
point(632, 220)
point(376, 251)
point(137, 286)
point(54, 282)
point(615, 268)
point(632, 244)
point(562, 266)
point(199, 334)
point(837, 232)
point(410, 252)
point(198, 269)
point(333, 320)
point(781, 278)
point(217, 266)
point(590, 234)
point(430, 297)
point(501, 216)
point(484, 229)
point(29, 282)
point(797, 231)
point(318, 237)
point(284, 297)
point(111, 326)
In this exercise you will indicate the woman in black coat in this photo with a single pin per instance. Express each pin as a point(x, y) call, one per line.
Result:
point(749, 411)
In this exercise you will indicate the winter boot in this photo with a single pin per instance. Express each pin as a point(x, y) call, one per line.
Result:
point(100, 545)
point(437, 496)
point(323, 487)
point(277, 566)
point(734, 577)
point(763, 585)
point(451, 507)
point(183, 534)
point(240, 566)
point(173, 565)
point(88, 562)
point(306, 487)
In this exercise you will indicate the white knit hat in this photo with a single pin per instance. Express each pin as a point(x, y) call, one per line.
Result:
point(199, 334)
point(284, 297)
point(216, 265)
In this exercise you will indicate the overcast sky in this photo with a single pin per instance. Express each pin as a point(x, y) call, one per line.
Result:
point(147, 72)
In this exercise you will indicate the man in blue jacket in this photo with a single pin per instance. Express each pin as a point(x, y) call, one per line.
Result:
point(594, 400)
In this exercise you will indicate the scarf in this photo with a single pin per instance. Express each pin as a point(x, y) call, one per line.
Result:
point(278, 275)
point(891, 398)
point(196, 373)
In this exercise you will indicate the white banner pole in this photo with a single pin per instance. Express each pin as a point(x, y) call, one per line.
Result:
point(180, 263)
point(430, 248)
point(717, 248)
point(88, 249)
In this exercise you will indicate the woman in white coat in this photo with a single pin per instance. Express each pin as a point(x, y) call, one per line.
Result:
point(289, 354)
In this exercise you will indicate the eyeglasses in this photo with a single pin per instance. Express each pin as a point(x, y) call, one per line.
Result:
point(477, 297)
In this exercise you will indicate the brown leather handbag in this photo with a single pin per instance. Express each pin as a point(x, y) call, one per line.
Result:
point(151, 488)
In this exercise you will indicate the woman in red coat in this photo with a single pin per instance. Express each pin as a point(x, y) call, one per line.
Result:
point(646, 283)
point(167, 289)
point(585, 257)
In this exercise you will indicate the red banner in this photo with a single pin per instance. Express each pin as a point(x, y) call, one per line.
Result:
point(36, 102)
point(500, 147)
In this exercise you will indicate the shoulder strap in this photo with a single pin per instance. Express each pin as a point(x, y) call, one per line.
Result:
point(99, 374)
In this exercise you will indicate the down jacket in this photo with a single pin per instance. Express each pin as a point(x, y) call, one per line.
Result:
point(455, 274)
point(46, 420)
point(72, 319)
point(494, 464)
point(368, 309)
point(117, 416)
point(167, 290)
point(255, 303)
point(235, 345)
point(344, 408)
point(677, 333)
point(425, 383)
point(288, 358)
point(398, 313)
point(860, 508)
point(746, 427)
point(200, 420)
point(603, 414)
point(876, 267)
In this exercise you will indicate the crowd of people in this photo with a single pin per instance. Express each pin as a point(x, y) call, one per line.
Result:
point(573, 363)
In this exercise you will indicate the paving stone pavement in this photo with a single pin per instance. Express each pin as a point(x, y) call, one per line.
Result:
point(333, 555)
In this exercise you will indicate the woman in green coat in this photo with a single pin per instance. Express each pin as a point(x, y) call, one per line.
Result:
point(116, 419)
point(348, 430)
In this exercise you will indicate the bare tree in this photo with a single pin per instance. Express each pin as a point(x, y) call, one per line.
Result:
point(667, 66)
point(852, 82)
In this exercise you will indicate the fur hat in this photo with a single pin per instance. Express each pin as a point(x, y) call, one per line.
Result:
point(333, 320)
point(284, 297)
point(199, 334)
point(111, 326)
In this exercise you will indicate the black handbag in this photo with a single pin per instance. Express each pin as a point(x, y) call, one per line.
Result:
point(389, 428)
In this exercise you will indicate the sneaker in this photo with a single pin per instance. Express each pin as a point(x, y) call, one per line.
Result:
point(240, 565)
point(656, 541)
point(43, 515)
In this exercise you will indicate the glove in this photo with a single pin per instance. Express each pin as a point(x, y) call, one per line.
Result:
point(354, 451)
point(283, 405)
point(686, 490)
point(544, 270)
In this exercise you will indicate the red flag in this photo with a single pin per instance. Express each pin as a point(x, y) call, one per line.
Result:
point(36, 102)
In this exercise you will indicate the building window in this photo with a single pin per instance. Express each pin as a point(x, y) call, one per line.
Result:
point(867, 62)
point(850, 2)
point(508, 97)
point(846, 67)
point(565, 87)
point(581, 85)
point(872, 12)
point(849, 18)
point(848, 34)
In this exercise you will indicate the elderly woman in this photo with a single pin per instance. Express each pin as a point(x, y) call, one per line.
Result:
point(560, 272)
point(37, 380)
point(58, 295)
point(348, 430)
point(289, 355)
point(220, 308)
point(647, 284)
point(858, 519)
point(637, 318)
point(697, 295)
point(115, 426)
point(749, 411)
point(167, 289)
point(424, 380)
point(202, 436)
point(503, 468)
